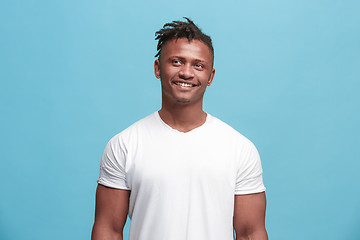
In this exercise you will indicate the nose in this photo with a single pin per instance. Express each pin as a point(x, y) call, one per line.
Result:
point(186, 72)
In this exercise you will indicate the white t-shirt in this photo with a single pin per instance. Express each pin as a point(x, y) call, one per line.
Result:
point(182, 184)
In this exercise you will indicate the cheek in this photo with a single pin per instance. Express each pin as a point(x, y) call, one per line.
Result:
point(204, 77)
point(168, 73)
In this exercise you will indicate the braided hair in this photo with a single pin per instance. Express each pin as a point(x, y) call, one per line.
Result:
point(181, 29)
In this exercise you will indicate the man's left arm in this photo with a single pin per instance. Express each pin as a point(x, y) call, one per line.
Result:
point(249, 217)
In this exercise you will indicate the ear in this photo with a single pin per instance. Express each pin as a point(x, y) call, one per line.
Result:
point(157, 68)
point(211, 77)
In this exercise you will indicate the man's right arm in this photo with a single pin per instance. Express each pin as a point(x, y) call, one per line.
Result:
point(111, 210)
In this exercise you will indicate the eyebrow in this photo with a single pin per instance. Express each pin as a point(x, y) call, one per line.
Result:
point(182, 58)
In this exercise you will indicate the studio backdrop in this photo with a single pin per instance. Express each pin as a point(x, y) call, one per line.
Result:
point(75, 73)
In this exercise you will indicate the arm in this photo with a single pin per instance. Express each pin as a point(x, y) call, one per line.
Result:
point(111, 211)
point(249, 217)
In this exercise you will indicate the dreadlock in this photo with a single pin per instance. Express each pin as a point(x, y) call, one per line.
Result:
point(179, 29)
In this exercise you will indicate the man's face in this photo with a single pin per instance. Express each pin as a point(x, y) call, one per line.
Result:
point(185, 70)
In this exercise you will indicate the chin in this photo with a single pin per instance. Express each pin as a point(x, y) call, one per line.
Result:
point(183, 100)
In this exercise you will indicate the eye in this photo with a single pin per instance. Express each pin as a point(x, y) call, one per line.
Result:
point(199, 66)
point(176, 62)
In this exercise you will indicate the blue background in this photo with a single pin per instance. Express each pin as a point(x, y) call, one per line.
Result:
point(75, 73)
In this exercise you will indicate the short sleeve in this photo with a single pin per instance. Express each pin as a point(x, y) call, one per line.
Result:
point(249, 175)
point(113, 165)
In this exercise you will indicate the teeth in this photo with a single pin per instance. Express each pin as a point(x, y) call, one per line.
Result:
point(184, 84)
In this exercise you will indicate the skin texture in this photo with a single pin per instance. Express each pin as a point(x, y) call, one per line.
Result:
point(185, 62)
point(111, 211)
point(249, 216)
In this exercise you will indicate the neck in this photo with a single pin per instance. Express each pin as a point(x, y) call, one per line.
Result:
point(183, 117)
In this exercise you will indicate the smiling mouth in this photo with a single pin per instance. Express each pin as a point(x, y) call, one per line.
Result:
point(183, 84)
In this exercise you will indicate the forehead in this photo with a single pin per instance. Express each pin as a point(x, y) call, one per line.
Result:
point(185, 48)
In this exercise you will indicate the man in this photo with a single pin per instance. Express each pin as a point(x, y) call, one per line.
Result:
point(180, 173)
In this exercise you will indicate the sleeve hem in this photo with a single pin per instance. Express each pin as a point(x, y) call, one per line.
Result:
point(112, 185)
point(250, 191)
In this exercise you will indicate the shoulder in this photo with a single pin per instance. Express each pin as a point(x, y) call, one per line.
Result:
point(133, 131)
point(226, 131)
